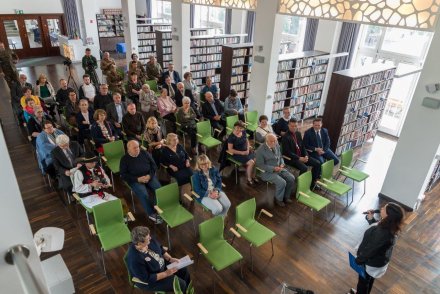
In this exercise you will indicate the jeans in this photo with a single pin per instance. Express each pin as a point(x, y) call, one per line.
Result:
point(140, 190)
point(219, 206)
point(329, 155)
point(284, 183)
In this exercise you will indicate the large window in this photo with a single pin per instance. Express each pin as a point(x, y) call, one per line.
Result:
point(161, 11)
point(210, 17)
point(292, 39)
point(403, 48)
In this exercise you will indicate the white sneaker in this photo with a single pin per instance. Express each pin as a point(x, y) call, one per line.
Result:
point(156, 219)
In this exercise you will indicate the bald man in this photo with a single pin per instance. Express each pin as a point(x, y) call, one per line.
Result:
point(138, 169)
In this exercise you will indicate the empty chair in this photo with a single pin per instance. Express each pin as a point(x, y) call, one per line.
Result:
point(348, 171)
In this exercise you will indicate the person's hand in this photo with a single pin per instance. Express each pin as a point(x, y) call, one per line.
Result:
point(277, 169)
point(85, 122)
point(303, 159)
point(187, 163)
point(144, 179)
point(213, 194)
point(138, 137)
point(96, 184)
point(118, 125)
point(172, 260)
point(158, 146)
point(174, 168)
point(170, 271)
point(246, 152)
point(370, 214)
point(320, 152)
point(217, 117)
point(67, 173)
point(112, 138)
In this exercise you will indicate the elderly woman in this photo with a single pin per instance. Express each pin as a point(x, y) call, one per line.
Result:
point(239, 147)
point(147, 261)
point(186, 117)
point(263, 129)
point(35, 123)
point(148, 101)
point(207, 183)
point(175, 158)
point(101, 130)
point(154, 138)
point(167, 108)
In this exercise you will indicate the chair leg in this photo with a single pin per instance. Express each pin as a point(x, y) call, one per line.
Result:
point(88, 218)
point(113, 182)
point(168, 234)
point(103, 260)
point(194, 227)
point(365, 187)
point(271, 242)
point(236, 174)
point(241, 269)
point(132, 201)
point(334, 209)
point(252, 260)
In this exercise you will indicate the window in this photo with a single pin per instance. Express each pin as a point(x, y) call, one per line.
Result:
point(210, 17)
point(161, 11)
point(292, 39)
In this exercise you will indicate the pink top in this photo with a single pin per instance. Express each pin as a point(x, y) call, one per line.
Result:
point(165, 105)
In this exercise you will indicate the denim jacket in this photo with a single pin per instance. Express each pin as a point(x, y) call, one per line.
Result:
point(200, 182)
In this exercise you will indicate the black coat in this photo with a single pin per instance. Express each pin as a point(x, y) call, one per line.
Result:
point(208, 112)
point(179, 97)
point(62, 164)
point(112, 114)
point(289, 146)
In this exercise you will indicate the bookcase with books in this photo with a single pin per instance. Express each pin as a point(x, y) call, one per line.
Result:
point(236, 70)
point(355, 103)
point(110, 31)
point(300, 79)
point(206, 56)
point(147, 38)
point(200, 31)
point(164, 47)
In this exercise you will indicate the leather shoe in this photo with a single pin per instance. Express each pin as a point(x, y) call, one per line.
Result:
point(280, 203)
point(288, 200)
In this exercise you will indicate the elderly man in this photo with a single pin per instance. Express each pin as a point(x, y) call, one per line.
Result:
point(36, 123)
point(154, 70)
point(103, 98)
point(65, 157)
point(174, 75)
point(87, 90)
point(116, 111)
point(107, 63)
point(270, 161)
point(138, 169)
point(170, 86)
point(46, 142)
point(63, 93)
point(213, 110)
point(182, 92)
point(133, 122)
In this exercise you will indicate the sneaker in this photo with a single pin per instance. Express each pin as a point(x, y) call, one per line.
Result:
point(280, 203)
point(288, 200)
point(156, 219)
point(352, 291)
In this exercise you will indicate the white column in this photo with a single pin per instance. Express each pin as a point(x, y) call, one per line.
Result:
point(238, 21)
point(141, 7)
point(130, 27)
point(268, 27)
point(87, 11)
point(419, 139)
point(327, 40)
point(181, 36)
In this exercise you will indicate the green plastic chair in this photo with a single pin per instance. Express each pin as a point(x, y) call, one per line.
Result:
point(251, 121)
point(179, 130)
point(213, 246)
point(348, 171)
point(205, 135)
point(170, 210)
point(113, 152)
point(331, 185)
point(254, 232)
point(308, 198)
point(111, 229)
point(153, 85)
point(230, 121)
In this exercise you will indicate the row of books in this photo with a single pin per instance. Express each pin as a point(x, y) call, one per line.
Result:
point(203, 73)
point(167, 43)
point(146, 49)
point(205, 58)
point(358, 136)
point(241, 87)
point(151, 36)
point(285, 65)
point(312, 104)
point(307, 89)
point(302, 72)
point(152, 28)
point(295, 111)
point(310, 61)
point(107, 22)
point(308, 80)
point(365, 112)
point(281, 76)
point(281, 86)
point(167, 51)
point(373, 78)
point(110, 34)
point(240, 70)
point(202, 66)
point(109, 16)
point(357, 104)
point(167, 57)
point(166, 36)
point(310, 113)
point(213, 42)
point(241, 52)
point(369, 90)
point(237, 61)
point(147, 42)
point(199, 82)
point(206, 50)
point(237, 79)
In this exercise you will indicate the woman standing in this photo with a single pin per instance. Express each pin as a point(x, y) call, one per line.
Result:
point(175, 158)
point(376, 247)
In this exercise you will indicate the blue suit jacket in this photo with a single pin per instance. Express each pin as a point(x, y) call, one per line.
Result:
point(176, 76)
point(311, 142)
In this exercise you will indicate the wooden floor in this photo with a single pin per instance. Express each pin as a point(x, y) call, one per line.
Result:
point(313, 260)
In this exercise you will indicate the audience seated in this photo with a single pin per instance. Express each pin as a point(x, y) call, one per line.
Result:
point(270, 160)
point(45, 143)
point(182, 92)
point(186, 117)
point(28, 110)
point(213, 110)
point(190, 85)
point(84, 120)
point(281, 126)
point(233, 105)
point(90, 180)
point(133, 123)
point(239, 147)
point(175, 158)
point(134, 87)
point(147, 261)
point(17, 93)
point(263, 129)
point(171, 87)
point(27, 93)
point(46, 92)
point(167, 108)
point(317, 142)
point(174, 75)
point(103, 98)
point(140, 69)
point(133, 67)
point(116, 111)
point(154, 70)
point(154, 138)
point(293, 147)
point(35, 123)
point(65, 160)
point(210, 87)
point(62, 95)
point(207, 183)
point(87, 89)
point(138, 169)
point(115, 80)
point(106, 63)
point(72, 108)
point(147, 101)
point(102, 131)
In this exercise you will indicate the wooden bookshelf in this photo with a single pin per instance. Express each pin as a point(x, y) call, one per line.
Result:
point(200, 31)
point(236, 70)
point(300, 80)
point(355, 103)
point(110, 31)
point(164, 52)
point(206, 55)
point(147, 38)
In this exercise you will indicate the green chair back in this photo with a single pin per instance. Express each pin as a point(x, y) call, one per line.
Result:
point(245, 212)
point(130, 282)
point(114, 150)
point(168, 196)
point(204, 128)
point(153, 85)
point(304, 182)
point(108, 214)
point(211, 230)
point(346, 158)
point(230, 121)
point(252, 118)
point(327, 169)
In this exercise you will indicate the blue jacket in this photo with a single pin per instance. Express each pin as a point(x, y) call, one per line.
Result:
point(311, 142)
point(97, 135)
point(200, 182)
point(176, 76)
point(44, 148)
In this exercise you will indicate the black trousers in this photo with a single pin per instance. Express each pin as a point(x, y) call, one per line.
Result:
point(364, 286)
point(302, 167)
point(166, 284)
point(192, 132)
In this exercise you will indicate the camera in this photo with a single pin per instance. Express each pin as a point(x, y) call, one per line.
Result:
point(67, 61)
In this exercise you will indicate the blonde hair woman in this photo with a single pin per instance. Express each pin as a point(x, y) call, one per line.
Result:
point(207, 183)
point(154, 138)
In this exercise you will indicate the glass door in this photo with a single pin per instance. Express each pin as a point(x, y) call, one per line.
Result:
point(52, 28)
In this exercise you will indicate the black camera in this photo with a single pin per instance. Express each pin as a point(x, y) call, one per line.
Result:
point(67, 61)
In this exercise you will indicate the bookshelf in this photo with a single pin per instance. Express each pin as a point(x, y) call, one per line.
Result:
point(110, 31)
point(236, 67)
point(300, 79)
point(355, 104)
point(206, 55)
point(200, 31)
point(147, 38)
point(164, 50)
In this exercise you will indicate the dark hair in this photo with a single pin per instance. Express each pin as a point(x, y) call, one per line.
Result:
point(317, 119)
point(394, 219)
point(25, 89)
point(239, 124)
point(166, 77)
point(263, 117)
point(134, 54)
point(28, 100)
point(133, 74)
point(71, 91)
point(293, 120)
point(86, 76)
point(88, 49)
point(233, 93)
point(185, 75)
point(47, 122)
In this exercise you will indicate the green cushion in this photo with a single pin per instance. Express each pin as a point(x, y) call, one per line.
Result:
point(337, 187)
point(209, 142)
point(113, 165)
point(175, 216)
point(354, 174)
point(314, 201)
point(257, 234)
point(114, 236)
point(221, 254)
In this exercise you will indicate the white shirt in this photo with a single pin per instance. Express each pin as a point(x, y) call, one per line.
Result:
point(119, 111)
point(78, 179)
point(171, 75)
point(89, 91)
point(86, 116)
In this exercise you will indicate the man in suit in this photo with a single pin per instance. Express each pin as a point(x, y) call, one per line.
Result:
point(103, 98)
point(182, 92)
point(174, 75)
point(293, 148)
point(213, 110)
point(84, 120)
point(270, 160)
point(171, 87)
point(63, 93)
point(317, 142)
point(116, 111)
point(65, 157)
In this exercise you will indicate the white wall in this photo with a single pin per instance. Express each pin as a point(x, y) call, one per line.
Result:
point(31, 7)
point(104, 4)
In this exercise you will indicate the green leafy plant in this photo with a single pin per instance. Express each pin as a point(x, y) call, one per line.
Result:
point(178, 290)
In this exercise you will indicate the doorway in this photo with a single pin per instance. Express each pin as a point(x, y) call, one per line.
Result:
point(32, 35)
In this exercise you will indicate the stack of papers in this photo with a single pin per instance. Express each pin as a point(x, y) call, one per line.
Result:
point(183, 262)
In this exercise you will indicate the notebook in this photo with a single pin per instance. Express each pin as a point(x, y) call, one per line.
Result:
point(356, 267)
